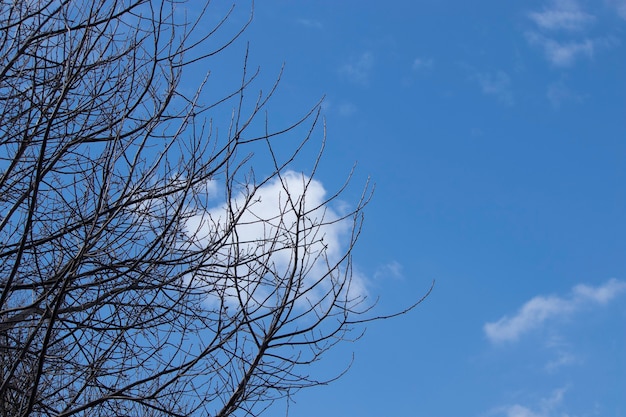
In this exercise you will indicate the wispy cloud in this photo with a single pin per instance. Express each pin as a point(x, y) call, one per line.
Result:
point(391, 269)
point(619, 6)
point(561, 31)
point(562, 359)
point(540, 309)
point(344, 109)
point(547, 407)
point(562, 53)
point(497, 84)
point(517, 410)
point(422, 63)
point(559, 93)
point(563, 354)
point(358, 70)
point(347, 109)
point(310, 23)
point(562, 15)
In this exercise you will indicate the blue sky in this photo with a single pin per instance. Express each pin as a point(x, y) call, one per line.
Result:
point(496, 135)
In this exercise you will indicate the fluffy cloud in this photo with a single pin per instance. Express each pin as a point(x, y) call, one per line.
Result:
point(285, 224)
point(542, 308)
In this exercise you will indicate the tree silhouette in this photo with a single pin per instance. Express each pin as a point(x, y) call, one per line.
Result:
point(145, 268)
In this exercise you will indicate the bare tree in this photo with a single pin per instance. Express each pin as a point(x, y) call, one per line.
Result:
point(145, 269)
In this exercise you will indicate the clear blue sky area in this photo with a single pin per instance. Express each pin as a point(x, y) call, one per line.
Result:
point(495, 132)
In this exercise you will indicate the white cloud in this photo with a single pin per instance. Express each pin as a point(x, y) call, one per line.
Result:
point(602, 294)
point(542, 308)
point(563, 359)
point(558, 93)
point(562, 53)
point(391, 269)
point(548, 407)
point(517, 410)
point(359, 69)
point(562, 354)
point(561, 31)
point(265, 236)
point(562, 15)
point(496, 84)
